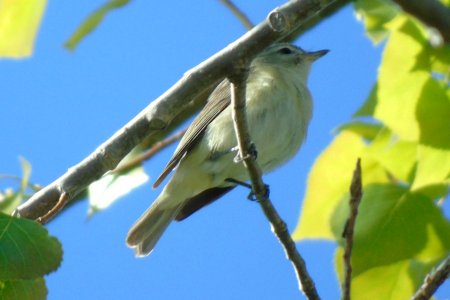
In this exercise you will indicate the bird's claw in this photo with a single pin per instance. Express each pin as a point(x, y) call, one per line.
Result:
point(252, 196)
point(252, 152)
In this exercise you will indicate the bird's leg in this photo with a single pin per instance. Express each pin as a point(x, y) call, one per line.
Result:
point(251, 195)
point(252, 152)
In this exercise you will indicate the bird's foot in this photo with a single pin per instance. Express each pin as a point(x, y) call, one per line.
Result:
point(251, 196)
point(252, 152)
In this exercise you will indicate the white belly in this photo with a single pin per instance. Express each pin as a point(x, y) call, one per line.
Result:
point(278, 116)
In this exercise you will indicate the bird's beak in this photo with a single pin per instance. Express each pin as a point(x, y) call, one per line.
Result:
point(316, 54)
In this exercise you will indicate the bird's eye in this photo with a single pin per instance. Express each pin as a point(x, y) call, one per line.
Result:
point(285, 50)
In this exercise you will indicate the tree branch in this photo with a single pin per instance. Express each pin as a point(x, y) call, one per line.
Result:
point(433, 280)
point(431, 12)
point(238, 83)
point(156, 117)
point(355, 200)
point(238, 13)
point(316, 19)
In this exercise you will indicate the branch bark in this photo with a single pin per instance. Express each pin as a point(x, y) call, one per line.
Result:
point(433, 281)
point(431, 12)
point(260, 191)
point(156, 117)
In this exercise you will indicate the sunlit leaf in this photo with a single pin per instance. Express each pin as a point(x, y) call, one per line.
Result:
point(33, 289)
point(19, 23)
point(433, 167)
point(10, 199)
point(386, 149)
point(394, 225)
point(26, 249)
point(440, 61)
point(364, 129)
point(390, 282)
point(400, 279)
point(368, 107)
point(403, 75)
point(329, 180)
point(375, 14)
point(433, 115)
point(92, 21)
point(111, 187)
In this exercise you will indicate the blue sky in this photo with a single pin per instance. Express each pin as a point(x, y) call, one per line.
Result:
point(58, 106)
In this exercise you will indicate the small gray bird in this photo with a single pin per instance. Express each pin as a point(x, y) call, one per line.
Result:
point(279, 108)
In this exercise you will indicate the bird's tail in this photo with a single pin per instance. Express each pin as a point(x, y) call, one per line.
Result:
point(147, 230)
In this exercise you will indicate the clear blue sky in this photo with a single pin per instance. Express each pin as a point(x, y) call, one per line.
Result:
point(57, 107)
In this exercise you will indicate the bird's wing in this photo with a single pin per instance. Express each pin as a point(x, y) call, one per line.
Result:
point(219, 100)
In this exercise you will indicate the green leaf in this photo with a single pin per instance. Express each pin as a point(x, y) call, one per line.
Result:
point(440, 60)
point(433, 168)
point(398, 279)
point(329, 180)
point(366, 130)
point(390, 282)
point(433, 115)
point(9, 200)
point(368, 108)
point(375, 14)
point(26, 172)
point(111, 187)
point(402, 78)
point(19, 22)
point(33, 289)
point(91, 22)
point(394, 225)
point(26, 249)
point(396, 156)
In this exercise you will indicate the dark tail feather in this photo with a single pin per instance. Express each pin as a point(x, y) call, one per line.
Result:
point(201, 200)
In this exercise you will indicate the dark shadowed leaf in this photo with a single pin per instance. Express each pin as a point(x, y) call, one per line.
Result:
point(26, 249)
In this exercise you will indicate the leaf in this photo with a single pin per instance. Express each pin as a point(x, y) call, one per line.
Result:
point(110, 188)
point(400, 279)
point(403, 80)
point(364, 129)
point(440, 60)
point(375, 14)
point(91, 22)
point(433, 168)
point(33, 289)
point(394, 225)
point(396, 156)
point(19, 22)
point(26, 249)
point(368, 108)
point(329, 180)
point(9, 200)
point(433, 115)
point(390, 282)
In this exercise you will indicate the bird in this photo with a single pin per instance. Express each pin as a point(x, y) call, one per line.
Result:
point(278, 108)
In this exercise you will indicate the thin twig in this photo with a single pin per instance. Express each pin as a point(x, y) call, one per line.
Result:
point(348, 233)
point(62, 201)
point(433, 280)
point(146, 155)
point(306, 284)
point(238, 13)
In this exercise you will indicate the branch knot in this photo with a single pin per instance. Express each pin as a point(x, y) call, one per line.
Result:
point(277, 21)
